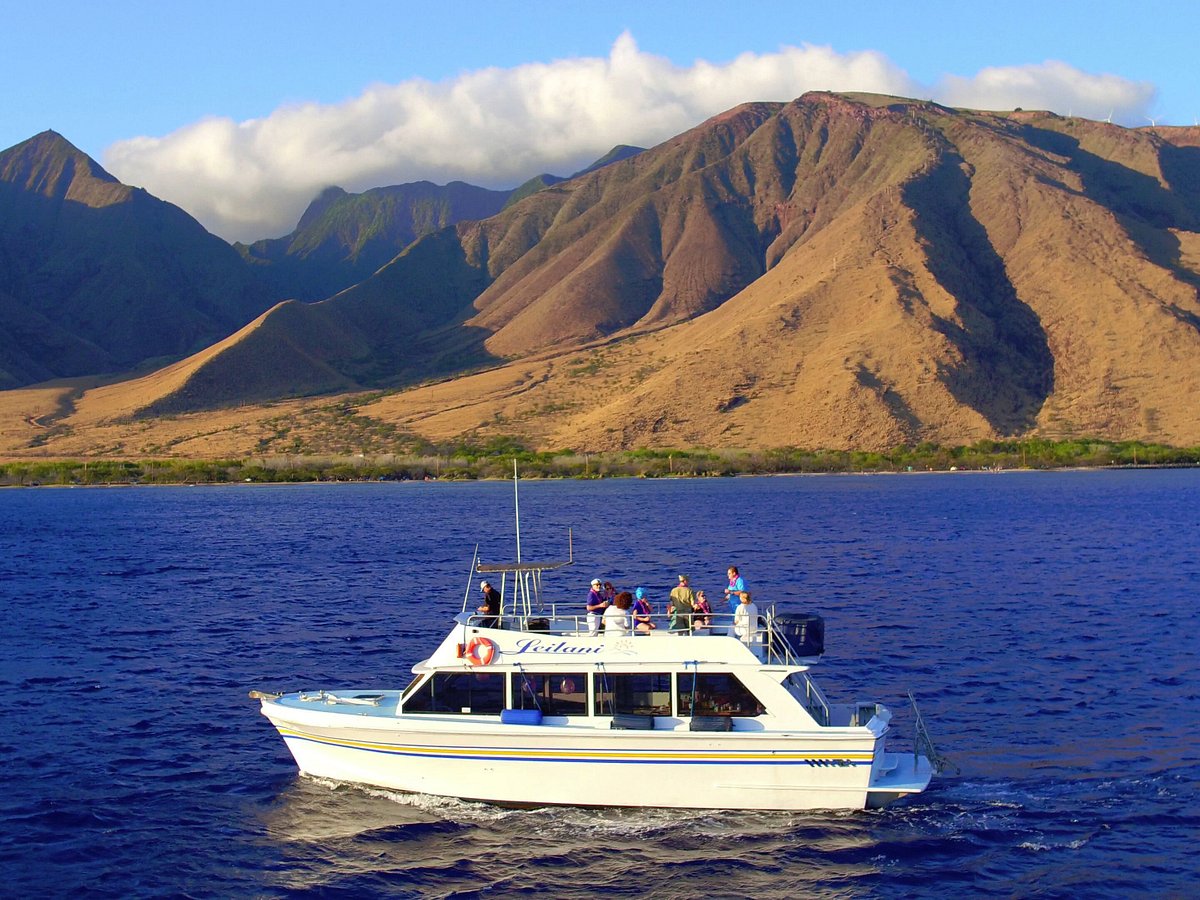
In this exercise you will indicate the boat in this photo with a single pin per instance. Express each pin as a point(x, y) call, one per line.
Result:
point(529, 708)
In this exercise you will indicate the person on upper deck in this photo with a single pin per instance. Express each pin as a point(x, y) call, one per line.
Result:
point(745, 623)
point(737, 586)
point(490, 607)
point(642, 612)
point(683, 599)
point(596, 604)
point(703, 618)
point(616, 617)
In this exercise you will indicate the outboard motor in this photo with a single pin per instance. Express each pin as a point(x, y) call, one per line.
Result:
point(804, 631)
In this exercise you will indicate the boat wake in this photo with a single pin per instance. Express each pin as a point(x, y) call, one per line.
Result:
point(599, 821)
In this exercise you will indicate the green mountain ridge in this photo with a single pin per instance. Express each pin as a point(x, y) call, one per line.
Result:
point(343, 238)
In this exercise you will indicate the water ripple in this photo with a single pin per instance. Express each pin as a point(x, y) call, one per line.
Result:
point(1045, 622)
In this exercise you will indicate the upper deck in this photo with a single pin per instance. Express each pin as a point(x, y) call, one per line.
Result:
point(552, 635)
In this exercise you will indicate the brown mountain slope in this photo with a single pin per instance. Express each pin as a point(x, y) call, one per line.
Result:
point(99, 276)
point(678, 230)
point(838, 271)
point(988, 295)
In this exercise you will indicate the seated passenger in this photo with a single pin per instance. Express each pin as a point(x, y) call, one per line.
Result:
point(703, 618)
point(616, 617)
point(642, 613)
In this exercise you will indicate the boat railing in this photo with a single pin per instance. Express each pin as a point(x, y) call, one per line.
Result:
point(767, 642)
point(572, 623)
point(778, 648)
point(806, 691)
point(923, 742)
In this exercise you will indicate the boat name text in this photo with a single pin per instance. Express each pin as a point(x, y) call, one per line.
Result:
point(537, 645)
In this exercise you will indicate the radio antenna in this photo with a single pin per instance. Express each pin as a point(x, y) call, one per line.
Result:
point(517, 508)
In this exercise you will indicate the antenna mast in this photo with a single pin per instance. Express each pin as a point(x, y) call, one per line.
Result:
point(517, 508)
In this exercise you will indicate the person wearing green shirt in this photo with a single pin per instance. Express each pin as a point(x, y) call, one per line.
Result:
point(683, 600)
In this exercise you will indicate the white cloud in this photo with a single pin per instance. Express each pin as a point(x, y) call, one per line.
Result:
point(498, 127)
point(1052, 85)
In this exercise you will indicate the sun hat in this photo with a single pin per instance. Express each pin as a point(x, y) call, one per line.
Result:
point(597, 581)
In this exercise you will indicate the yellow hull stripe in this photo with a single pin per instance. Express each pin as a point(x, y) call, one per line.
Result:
point(563, 754)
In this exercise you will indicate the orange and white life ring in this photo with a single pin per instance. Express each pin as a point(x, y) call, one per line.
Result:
point(480, 651)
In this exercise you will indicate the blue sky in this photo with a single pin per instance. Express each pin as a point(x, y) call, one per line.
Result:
point(241, 112)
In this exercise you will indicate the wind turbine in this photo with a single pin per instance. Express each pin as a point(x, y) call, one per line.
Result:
point(1109, 119)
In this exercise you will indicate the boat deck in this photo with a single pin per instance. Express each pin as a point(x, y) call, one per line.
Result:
point(357, 702)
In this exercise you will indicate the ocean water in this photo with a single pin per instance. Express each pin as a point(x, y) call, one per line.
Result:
point(1046, 623)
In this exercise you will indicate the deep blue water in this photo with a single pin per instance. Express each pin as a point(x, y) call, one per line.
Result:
point(1046, 623)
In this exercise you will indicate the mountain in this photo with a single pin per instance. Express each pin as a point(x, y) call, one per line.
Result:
point(97, 276)
point(838, 271)
point(540, 182)
point(616, 154)
point(343, 238)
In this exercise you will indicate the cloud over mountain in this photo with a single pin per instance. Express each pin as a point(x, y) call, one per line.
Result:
point(496, 127)
point(1051, 85)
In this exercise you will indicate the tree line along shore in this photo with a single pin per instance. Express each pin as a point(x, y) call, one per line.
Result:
point(494, 460)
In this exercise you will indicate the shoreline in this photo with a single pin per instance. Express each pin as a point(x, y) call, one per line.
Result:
point(314, 477)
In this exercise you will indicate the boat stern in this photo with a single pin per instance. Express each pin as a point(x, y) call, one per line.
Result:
point(897, 775)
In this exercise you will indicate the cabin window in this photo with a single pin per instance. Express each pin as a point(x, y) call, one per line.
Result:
point(478, 693)
point(556, 694)
point(411, 686)
point(638, 694)
point(717, 694)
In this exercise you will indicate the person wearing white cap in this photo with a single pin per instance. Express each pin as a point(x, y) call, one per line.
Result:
point(596, 604)
point(490, 607)
point(683, 601)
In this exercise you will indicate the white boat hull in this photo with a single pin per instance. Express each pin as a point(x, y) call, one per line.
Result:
point(586, 766)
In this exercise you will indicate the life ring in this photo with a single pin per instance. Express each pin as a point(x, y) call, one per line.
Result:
point(480, 651)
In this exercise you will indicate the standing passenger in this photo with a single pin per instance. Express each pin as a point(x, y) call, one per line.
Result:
point(683, 600)
point(490, 607)
point(745, 623)
point(596, 605)
point(733, 593)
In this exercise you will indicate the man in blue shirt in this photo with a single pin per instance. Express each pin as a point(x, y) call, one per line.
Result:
point(737, 587)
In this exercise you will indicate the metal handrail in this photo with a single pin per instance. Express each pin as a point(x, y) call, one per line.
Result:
point(922, 741)
point(774, 643)
point(814, 700)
